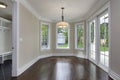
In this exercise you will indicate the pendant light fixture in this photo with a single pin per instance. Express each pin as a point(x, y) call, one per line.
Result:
point(62, 24)
point(3, 5)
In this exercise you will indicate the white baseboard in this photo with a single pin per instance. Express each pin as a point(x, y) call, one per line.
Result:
point(62, 54)
point(81, 56)
point(70, 54)
point(114, 75)
point(25, 67)
point(106, 69)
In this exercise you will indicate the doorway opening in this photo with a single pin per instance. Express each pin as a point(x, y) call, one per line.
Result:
point(6, 41)
point(99, 41)
point(104, 39)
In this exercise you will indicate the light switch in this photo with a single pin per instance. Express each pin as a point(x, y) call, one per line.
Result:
point(21, 39)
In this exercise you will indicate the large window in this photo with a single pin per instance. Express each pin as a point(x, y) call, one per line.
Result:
point(62, 38)
point(104, 39)
point(79, 36)
point(45, 32)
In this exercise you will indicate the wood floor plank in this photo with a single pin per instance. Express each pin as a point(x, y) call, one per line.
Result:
point(64, 68)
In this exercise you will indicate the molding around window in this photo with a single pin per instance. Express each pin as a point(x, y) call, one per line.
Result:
point(49, 29)
point(68, 39)
point(81, 23)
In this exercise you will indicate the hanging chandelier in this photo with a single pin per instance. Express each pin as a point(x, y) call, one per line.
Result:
point(3, 5)
point(62, 24)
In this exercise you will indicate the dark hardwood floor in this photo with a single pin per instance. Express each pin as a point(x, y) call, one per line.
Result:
point(5, 70)
point(63, 68)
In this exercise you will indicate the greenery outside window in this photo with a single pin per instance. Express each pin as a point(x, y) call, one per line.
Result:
point(79, 36)
point(104, 38)
point(62, 35)
point(92, 39)
point(45, 31)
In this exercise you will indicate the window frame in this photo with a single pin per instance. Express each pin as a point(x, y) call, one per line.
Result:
point(99, 16)
point(48, 25)
point(68, 38)
point(76, 25)
point(95, 39)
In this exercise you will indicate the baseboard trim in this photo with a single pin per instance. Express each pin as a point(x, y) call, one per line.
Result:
point(69, 54)
point(83, 57)
point(27, 66)
point(114, 75)
point(61, 54)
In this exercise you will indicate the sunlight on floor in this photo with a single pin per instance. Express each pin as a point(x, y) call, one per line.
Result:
point(60, 68)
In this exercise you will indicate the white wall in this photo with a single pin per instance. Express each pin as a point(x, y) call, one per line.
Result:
point(115, 37)
point(29, 36)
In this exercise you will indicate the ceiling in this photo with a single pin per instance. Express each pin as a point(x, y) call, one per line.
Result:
point(7, 12)
point(51, 9)
point(75, 10)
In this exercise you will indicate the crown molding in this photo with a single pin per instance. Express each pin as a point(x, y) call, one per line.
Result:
point(32, 10)
point(28, 6)
point(44, 19)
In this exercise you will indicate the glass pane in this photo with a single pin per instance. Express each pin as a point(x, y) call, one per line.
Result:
point(106, 60)
point(5, 24)
point(62, 37)
point(92, 39)
point(102, 58)
point(104, 39)
point(45, 36)
point(92, 54)
point(80, 36)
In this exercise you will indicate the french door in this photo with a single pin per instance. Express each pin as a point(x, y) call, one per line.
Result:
point(99, 40)
point(92, 41)
point(104, 39)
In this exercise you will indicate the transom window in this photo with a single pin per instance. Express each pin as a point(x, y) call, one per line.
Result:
point(62, 37)
point(79, 36)
point(45, 31)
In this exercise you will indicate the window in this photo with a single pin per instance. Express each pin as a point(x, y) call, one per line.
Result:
point(45, 31)
point(92, 38)
point(79, 36)
point(104, 39)
point(62, 38)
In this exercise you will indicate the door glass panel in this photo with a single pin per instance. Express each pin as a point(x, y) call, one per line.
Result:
point(92, 39)
point(104, 40)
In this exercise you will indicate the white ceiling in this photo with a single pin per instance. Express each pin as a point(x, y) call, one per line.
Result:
point(75, 10)
point(7, 12)
point(51, 9)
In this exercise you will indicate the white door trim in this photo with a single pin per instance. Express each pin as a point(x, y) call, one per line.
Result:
point(15, 38)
